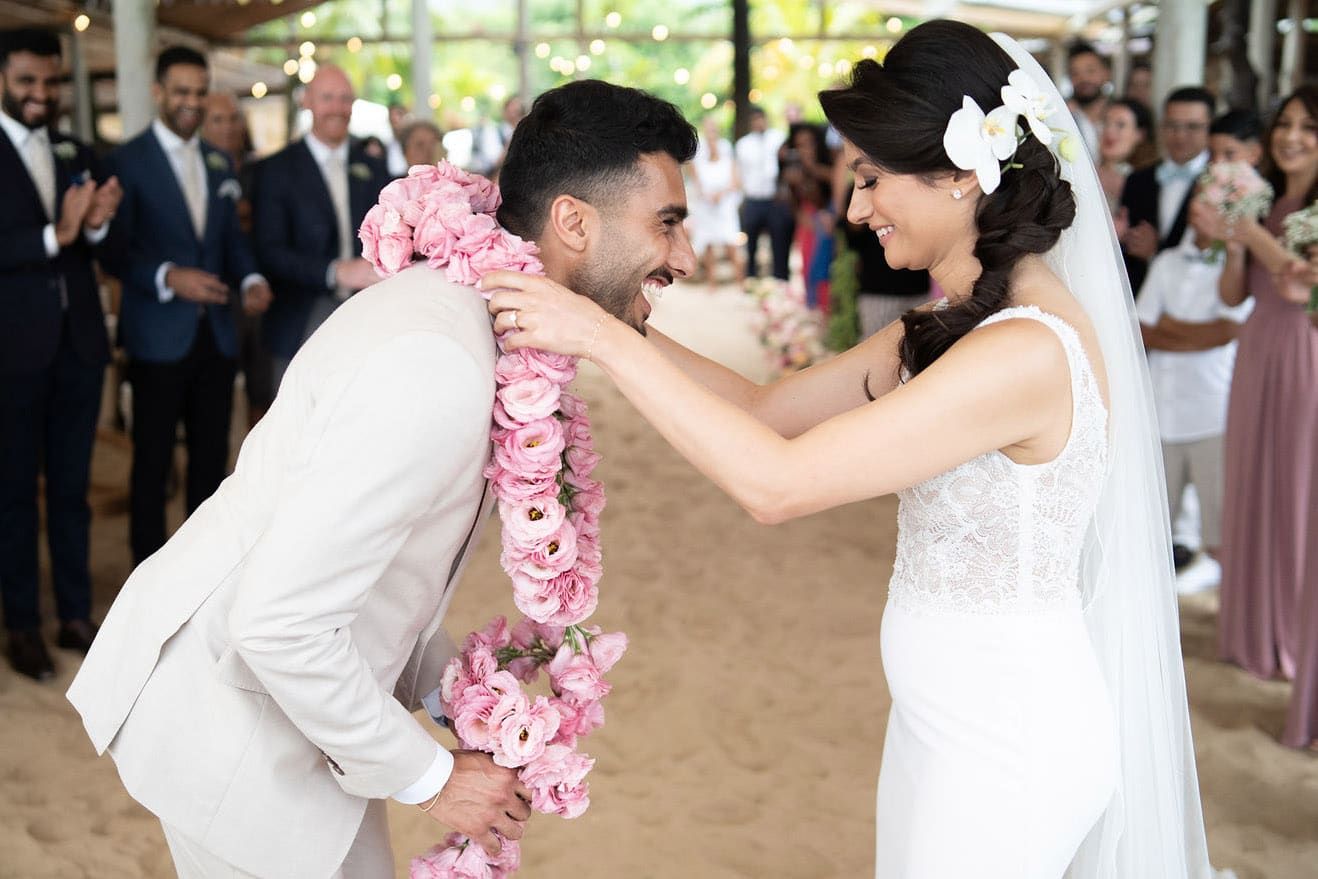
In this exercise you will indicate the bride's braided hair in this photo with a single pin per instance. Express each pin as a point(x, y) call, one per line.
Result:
point(896, 115)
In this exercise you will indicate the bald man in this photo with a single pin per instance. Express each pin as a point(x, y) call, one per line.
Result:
point(309, 201)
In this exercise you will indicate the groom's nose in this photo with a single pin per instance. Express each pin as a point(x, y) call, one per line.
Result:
point(682, 259)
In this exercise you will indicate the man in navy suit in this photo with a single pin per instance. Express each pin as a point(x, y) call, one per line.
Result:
point(186, 270)
point(1155, 201)
point(310, 200)
point(53, 347)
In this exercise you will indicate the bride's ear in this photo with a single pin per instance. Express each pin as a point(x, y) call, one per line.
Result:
point(966, 183)
point(571, 221)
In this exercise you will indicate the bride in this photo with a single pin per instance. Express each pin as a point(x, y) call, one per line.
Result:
point(1039, 725)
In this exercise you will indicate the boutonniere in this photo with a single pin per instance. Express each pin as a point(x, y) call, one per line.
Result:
point(230, 189)
point(65, 150)
point(360, 170)
point(216, 162)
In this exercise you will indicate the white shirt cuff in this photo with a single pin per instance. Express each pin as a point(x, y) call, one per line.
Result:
point(50, 241)
point(432, 782)
point(163, 293)
point(331, 276)
point(253, 278)
point(97, 235)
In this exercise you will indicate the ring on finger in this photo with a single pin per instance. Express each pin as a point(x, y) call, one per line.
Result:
point(512, 318)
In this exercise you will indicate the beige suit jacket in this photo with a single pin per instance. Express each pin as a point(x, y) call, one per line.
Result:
point(255, 677)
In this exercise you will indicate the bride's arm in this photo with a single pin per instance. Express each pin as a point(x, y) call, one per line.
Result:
point(793, 405)
point(996, 388)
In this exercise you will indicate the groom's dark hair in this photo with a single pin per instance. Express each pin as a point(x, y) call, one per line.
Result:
point(585, 139)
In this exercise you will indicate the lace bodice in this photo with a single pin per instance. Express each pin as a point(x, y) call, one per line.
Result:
point(994, 536)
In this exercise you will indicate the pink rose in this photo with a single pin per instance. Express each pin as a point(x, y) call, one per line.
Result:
point(576, 431)
point(449, 862)
point(471, 716)
point(558, 782)
point(575, 678)
point(493, 637)
point(454, 681)
point(398, 194)
point(534, 596)
point(514, 367)
point(531, 523)
point(607, 649)
point(509, 859)
point(579, 481)
point(512, 487)
point(481, 663)
point(393, 247)
point(434, 233)
point(529, 399)
point(482, 194)
point(528, 633)
point(589, 502)
point(582, 460)
point(558, 368)
point(523, 734)
point(572, 406)
point(558, 552)
point(533, 450)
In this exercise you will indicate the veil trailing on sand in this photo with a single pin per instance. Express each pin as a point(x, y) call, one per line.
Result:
point(1153, 827)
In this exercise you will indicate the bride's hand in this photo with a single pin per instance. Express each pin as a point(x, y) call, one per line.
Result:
point(536, 312)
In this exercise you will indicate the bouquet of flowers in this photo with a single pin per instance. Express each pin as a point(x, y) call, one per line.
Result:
point(1236, 190)
point(791, 334)
point(540, 473)
point(1301, 230)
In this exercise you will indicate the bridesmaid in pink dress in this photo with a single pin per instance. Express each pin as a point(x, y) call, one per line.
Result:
point(1269, 616)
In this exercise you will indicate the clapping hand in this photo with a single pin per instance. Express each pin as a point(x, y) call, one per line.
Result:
point(257, 298)
point(195, 285)
point(1141, 240)
point(355, 274)
point(104, 203)
point(480, 798)
point(74, 208)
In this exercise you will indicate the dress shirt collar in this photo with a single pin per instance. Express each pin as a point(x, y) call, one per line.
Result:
point(170, 141)
point(321, 151)
point(19, 133)
point(1191, 169)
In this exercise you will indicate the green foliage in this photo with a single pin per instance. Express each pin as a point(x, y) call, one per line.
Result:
point(844, 283)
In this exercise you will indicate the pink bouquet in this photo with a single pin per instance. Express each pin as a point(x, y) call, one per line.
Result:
point(540, 472)
point(1236, 190)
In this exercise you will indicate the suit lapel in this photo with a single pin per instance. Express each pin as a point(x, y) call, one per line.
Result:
point(1177, 231)
point(313, 180)
point(20, 173)
point(169, 181)
point(214, 177)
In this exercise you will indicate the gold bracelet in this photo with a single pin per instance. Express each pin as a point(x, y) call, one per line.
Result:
point(430, 805)
point(595, 335)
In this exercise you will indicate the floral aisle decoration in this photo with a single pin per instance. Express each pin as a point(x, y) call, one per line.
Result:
point(791, 334)
point(1301, 231)
point(540, 473)
point(1237, 191)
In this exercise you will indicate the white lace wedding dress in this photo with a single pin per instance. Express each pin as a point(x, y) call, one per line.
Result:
point(1001, 750)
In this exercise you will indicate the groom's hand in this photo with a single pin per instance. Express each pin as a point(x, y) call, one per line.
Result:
point(482, 797)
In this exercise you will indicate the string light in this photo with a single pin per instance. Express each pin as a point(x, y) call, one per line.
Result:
point(542, 50)
point(434, 101)
point(870, 52)
point(354, 44)
point(290, 66)
point(597, 47)
point(81, 23)
point(613, 19)
point(755, 96)
point(393, 82)
point(681, 76)
point(894, 25)
point(306, 69)
point(308, 19)
point(709, 100)
point(468, 104)
point(825, 69)
point(307, 49)
point(583, 62)
point(259, 90)
point(660, 32)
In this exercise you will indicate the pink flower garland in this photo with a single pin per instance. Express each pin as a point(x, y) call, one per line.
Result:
point(540, 472)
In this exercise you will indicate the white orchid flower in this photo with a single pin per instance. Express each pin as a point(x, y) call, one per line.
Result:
point(978, 142)
point(1024, 96)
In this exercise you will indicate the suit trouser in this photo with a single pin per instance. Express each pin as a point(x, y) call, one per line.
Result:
point(369, 857)
point(759, 215)
point(198, 390)
point(47, 416)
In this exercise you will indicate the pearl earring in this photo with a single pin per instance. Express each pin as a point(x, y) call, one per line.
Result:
point(956, 193)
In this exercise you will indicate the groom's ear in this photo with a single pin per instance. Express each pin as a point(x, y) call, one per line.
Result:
point(571, 221)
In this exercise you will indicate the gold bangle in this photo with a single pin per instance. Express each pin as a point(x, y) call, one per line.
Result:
point(430, 805)
point(595, 335)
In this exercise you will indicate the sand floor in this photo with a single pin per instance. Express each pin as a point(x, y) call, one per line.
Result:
point(746, 723)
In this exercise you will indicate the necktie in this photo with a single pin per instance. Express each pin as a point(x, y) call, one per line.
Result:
point(336, 177)
point(41, 165)
point(1170, 171)
point(194, 190)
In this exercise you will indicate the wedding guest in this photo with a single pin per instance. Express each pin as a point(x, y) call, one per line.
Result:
point(807, 172)
point(490, 140)
point(311, 197)
point(1091, 83)
point(1190, 336)
point(375, 147)
point(394, 155)
point(422, 143)
point(186, 270)
point(53, 348)
point(1236, 136)
point(1155, 200)
point(225, 128)
point(1139, 83)
point(1126, 144)
point(764, 208)
point(715, 199)
point(1270, 520)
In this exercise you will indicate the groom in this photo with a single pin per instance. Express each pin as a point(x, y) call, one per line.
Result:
point(254, 680)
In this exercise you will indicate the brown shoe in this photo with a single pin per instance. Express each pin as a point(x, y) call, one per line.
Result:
point(77, 635)
point(28, 656)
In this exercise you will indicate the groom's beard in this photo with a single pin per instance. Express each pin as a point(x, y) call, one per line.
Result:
point(613, 288)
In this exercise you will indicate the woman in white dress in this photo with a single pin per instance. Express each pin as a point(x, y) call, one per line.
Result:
point(715, 200)
point(1039, 725)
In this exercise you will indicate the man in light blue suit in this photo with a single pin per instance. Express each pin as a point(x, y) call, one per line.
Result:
point(186, 270)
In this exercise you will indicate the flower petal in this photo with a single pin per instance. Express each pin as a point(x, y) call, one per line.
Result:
point(1001, 128)
point(989, 173)
point(962, 140)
